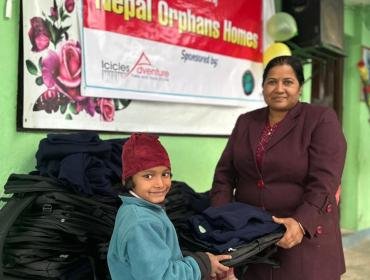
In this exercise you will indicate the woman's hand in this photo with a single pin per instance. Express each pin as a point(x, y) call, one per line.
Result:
point(216, 266)
point(293, 235)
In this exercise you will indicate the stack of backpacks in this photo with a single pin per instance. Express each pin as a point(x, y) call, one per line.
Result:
point(58, 220)
point(49, 232)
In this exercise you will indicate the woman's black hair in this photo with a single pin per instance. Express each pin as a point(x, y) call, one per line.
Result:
point(290, 60)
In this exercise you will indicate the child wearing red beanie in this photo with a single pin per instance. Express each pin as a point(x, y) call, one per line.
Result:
point(144, 243)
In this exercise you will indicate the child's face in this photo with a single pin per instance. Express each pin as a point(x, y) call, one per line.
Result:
point(152, 184)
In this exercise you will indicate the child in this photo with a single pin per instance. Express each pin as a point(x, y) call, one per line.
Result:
point(144, 243)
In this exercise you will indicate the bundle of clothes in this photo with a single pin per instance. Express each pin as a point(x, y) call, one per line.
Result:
point(59, 219)
point(245, 232)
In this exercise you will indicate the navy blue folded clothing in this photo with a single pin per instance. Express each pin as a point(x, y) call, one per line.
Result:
point(86, 174)
point(237, 215)
point(232, 225)
point(57, 146)
point(81, 161)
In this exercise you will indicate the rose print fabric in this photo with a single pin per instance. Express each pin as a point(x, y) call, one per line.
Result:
point(60, 64)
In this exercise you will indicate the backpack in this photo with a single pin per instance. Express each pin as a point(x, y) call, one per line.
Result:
point(49, 232)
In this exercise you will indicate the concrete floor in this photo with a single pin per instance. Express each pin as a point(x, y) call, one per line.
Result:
point(357, 261)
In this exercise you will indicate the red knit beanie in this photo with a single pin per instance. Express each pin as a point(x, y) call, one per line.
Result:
point(142, 151)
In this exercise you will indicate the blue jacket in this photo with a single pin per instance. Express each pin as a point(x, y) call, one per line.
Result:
point(144, 245)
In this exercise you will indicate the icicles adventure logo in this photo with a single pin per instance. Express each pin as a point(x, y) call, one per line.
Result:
point(141, 69)
point(114, 71)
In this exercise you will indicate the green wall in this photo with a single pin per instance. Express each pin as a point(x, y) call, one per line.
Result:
point(355, 204)
point(194, 158)
point(15, 148)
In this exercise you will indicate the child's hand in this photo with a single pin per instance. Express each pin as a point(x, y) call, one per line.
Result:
point(216, 266)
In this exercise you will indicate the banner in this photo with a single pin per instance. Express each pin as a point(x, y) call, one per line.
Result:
point(55, 63)
point(173, 51)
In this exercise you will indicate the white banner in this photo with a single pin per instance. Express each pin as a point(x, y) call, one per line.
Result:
point(134, 68)
point(207, 51)
point(53, 70)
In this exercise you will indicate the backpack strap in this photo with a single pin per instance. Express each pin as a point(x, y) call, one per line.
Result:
point(254, 251)
point(8, 214)
point(24, 183)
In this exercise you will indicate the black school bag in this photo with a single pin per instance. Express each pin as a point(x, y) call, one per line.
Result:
point(49, 232)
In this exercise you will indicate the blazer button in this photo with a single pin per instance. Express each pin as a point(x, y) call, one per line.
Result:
point(260, 183)
point(319, 230)
point(329, 208)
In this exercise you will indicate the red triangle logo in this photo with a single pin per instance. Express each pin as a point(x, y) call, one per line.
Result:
point(143, 60)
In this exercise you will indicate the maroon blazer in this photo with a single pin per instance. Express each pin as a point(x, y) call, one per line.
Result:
point(300, 174)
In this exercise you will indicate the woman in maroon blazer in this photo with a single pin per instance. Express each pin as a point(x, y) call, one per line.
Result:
point(288, 158)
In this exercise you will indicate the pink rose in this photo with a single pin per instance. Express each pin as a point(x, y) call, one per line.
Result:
point(39, 34)
point(107, 110)
point(69, 5)
point(63, 70)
